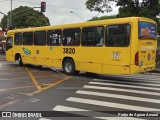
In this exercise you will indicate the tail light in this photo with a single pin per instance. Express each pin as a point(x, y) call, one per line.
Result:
point(136, 59)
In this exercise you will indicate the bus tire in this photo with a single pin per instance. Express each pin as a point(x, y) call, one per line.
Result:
point(69, 67)
point(20, 60)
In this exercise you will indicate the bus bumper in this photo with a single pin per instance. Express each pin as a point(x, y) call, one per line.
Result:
point(139, 69)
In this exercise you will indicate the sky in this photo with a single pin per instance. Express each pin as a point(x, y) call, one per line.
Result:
point(58, 11)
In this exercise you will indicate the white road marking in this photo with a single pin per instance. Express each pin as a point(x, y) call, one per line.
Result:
point(137, 77)
point(118, 96)
point(122, 90)
point(74, 110)
point(44, 119)
point(122, 85)
point(110, 104)
point(135, 83)
point(64, 108)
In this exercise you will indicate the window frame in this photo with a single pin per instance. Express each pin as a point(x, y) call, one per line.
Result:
point(44, 37)
point(21, 42)
point(79, 41)
point(32, 37)
point(118, 35)
point(102, 37)
point(47, 33)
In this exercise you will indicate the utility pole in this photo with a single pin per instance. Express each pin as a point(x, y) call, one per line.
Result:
point(11, 14)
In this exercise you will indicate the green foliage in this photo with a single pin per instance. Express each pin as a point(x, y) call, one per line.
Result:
point(145, 8)
point(103, 18)
point(99, 5)
point(128, 8)
point(24, 16)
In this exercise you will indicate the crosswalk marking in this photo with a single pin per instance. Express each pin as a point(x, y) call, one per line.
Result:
point(130, 75)
point(65, 108)
point(145, 86)
point(75, 110)
point(122, 90)
point(140, 77)
point(44, 119)
point(122, 85)
point(118, 96)
point(111, 104)
point(136, 83)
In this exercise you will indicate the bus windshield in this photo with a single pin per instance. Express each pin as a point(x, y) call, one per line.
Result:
point(146, 30)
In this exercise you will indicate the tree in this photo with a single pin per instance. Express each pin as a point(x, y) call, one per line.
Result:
point(103, 18)
point(99, 5)
point(26, 17)
point(128, 8)
point(145, 8)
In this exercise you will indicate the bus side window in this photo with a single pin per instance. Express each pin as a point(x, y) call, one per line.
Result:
point(40, 38)
point(64, 42)
point(18, 38)
point(118, 35)
point(54, 37)
point(93, 36)
point(28, 38)
point(71, 37)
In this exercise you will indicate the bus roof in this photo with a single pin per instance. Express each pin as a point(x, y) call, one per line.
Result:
point(83, 24)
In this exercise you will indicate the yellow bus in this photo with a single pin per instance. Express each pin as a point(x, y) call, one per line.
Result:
point(114, 46)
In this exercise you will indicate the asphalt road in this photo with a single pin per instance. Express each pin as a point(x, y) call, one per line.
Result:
point(82, 97)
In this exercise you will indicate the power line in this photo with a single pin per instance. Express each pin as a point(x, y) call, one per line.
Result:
point(56, 6)
point(53, 5)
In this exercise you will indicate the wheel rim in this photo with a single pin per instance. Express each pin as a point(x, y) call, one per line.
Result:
point(68, 67)
point(19, 60)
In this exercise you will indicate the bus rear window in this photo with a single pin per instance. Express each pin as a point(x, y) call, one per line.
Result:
point(146, 30)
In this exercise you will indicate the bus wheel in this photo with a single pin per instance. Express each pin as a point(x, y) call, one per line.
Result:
point(69, 67)
point(20, 60)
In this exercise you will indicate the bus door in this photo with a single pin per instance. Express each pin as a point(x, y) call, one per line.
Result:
point(117, 49)
point(91, 53)
point(9, 50)
point(147, 38)
point(53, 57)
point(40, 48)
